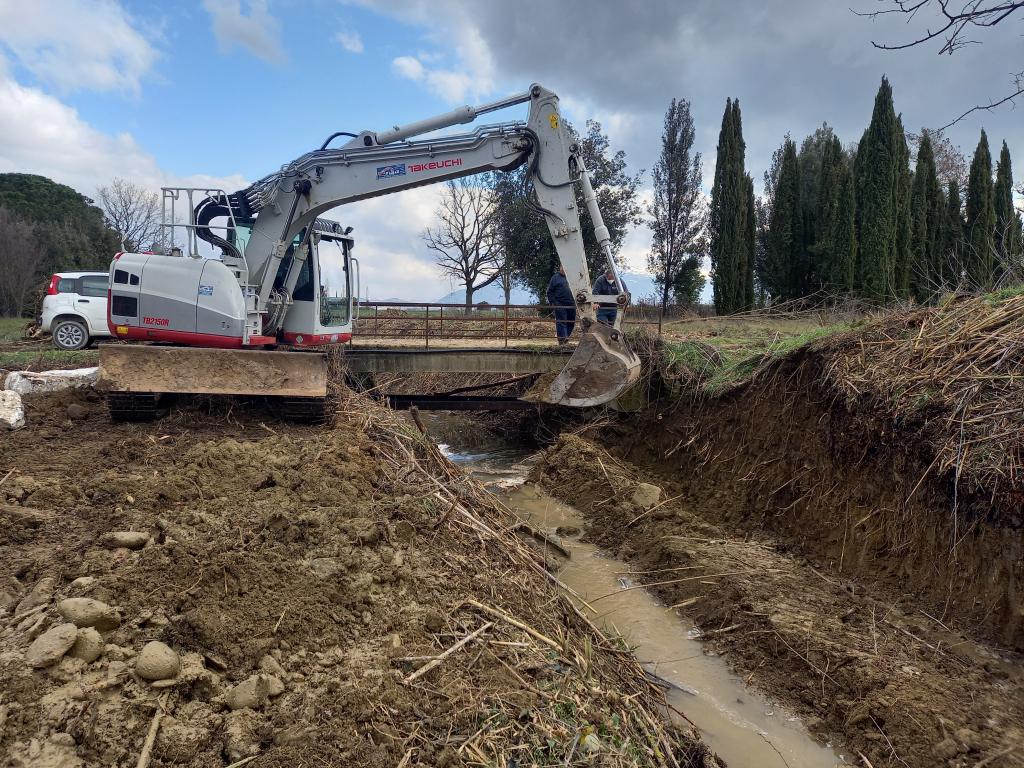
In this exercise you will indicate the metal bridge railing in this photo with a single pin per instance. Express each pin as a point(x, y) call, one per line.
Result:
point(432, 322)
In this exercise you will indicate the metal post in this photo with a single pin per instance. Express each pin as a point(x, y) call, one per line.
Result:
point(426, 328)
point(506, 326)
point(441, 334)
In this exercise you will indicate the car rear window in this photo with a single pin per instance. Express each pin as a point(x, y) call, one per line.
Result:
point(67, 285)
point(93, 285)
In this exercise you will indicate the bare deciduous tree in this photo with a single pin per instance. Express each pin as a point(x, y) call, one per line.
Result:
point(950, 163)
point(465, 241)
point(21, 260)
point(956, 21)
point(133, 212)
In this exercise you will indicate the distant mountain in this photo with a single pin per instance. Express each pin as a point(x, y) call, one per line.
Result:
point(639, 284)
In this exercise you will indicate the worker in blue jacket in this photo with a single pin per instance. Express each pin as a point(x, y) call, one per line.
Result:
point(605, 285)
point(560, 297)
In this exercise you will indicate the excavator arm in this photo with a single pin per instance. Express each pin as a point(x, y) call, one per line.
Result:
point(372, 164)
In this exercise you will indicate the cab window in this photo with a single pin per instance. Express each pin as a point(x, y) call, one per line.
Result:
point(334, 282)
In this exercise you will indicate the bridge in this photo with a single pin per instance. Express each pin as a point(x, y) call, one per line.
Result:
point(430, 338)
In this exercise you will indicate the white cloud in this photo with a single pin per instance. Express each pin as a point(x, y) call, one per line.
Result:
point(451, 85)
point(42, 135)
point(76, 44)
point(472, 78)
point(393, 260)
point(350, 41)
point(408, 67)
point(258, 32)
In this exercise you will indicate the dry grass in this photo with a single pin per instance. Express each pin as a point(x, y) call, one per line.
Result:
point(962, 364)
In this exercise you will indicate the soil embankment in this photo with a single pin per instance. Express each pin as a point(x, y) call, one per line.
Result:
point(330, 596)
point(847, 526)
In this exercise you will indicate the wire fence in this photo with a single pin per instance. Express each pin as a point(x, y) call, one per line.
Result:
point(433, 322)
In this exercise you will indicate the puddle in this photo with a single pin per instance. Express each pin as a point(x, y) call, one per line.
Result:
point(743, 727)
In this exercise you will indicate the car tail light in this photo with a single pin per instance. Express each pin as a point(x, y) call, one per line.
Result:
point(52, 290)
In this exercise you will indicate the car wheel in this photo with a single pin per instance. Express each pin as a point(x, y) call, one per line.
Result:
point(70, 334)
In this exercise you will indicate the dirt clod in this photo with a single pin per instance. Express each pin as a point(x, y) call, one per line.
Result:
point(88, 645)
point(157, 661)
point(646, 495)
point(40, 594)
point(77, 411)
point(125, 539)
point(87, 612)
point(50, 647)
point(252, 692)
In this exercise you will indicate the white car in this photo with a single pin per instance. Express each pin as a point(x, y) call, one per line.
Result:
point(75, 308)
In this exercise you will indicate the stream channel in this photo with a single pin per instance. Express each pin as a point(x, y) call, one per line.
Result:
point(742, 726)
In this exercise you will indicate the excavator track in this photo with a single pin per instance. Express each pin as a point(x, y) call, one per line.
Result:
point(136, 406)
point(304, 410)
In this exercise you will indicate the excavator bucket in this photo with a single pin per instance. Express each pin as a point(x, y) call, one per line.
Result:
point(600, 369)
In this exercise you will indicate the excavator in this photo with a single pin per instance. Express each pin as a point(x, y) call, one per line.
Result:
point(277, 283)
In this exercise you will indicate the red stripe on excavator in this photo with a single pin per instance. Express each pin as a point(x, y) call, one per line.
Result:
point(316, 339)
point(178, 337)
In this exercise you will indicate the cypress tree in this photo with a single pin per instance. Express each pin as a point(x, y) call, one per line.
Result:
point(903, 261)
point(731, 257)
point(1007, 235)
point(784, 257)
point(750, 298)
point(831, 246)
point(927, 214)
point(952, 248)
point(816, 158)
point(979, 255)
point(841, 241)
point(878, 198)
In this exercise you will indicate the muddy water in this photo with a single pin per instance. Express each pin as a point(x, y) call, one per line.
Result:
point(743, 727)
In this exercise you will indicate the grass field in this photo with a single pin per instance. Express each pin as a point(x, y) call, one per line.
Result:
point(18, 353)
point(719, 352)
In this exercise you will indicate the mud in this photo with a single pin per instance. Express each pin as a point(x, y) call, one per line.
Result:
point(328, 564)
point(884, 673)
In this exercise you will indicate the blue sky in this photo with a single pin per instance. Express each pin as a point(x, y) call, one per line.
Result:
point(224, 91)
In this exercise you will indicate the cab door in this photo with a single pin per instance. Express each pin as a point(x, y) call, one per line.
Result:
point(334, 278)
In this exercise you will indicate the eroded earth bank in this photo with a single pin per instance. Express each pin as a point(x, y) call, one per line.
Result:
point(845, 526)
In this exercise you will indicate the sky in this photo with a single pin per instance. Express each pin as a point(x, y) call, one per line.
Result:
point(222, 92)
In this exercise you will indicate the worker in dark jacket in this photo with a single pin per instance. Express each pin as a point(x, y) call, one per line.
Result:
point(560, 296)
point(605, 285)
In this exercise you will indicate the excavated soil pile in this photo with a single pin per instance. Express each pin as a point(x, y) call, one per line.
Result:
point(888, 459)
point(221, 588)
